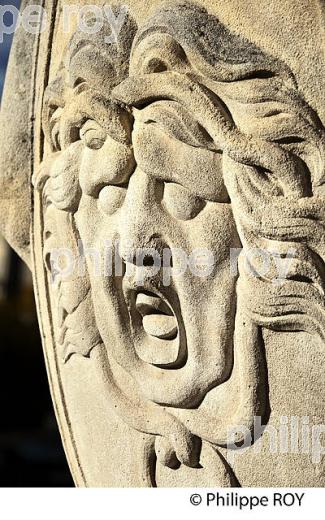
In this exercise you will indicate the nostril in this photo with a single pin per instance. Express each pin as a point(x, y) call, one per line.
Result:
point(151, 252)
point(140, 259)
point(145, 260)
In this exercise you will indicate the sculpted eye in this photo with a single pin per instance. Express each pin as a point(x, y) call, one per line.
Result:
point(111, 198)
point(180, 202)
point(93, 135)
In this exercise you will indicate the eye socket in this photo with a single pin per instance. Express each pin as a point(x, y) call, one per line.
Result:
point(181, 203)
point(111, 198)
point(93, 135)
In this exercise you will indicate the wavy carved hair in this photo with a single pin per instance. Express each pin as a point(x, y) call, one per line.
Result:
point(273, 147)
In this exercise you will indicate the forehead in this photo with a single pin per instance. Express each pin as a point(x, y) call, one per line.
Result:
point(274, 38)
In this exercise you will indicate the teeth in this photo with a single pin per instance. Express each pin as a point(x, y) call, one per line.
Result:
point(160, 326)
point(147, 304)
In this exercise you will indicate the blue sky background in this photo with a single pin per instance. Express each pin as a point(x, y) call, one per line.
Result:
point(5, 46)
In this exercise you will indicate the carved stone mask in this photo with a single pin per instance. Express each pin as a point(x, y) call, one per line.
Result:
point(180, 144)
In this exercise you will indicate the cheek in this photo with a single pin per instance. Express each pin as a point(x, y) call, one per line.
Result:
point(88, 221)
point(215, 230)
point(96, 228)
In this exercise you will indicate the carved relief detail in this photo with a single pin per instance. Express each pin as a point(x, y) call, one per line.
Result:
point(182, 135)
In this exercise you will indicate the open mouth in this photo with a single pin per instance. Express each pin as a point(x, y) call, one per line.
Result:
point(158, 319)
point(155, 325)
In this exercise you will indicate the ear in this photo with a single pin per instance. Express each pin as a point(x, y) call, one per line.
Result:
point(16, 145)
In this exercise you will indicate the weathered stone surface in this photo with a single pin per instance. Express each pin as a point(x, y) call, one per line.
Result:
point(200, 128)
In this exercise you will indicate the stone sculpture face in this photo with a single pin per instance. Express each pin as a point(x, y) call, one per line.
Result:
point(173, 334)
point(149, 180)
point(181, 141)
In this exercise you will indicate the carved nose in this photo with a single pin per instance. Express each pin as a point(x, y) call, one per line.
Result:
point(139, 222)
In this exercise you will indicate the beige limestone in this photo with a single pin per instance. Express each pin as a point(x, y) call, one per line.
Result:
point(4, 266)
point(201, 128)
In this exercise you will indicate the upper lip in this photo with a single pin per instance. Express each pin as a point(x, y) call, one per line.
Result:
point(131, 289)
point(149, 303)
point(146, 299)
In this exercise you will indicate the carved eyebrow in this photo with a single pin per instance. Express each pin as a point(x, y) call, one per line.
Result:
point(176, 121)
point(82, 104)
point(92, 105)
